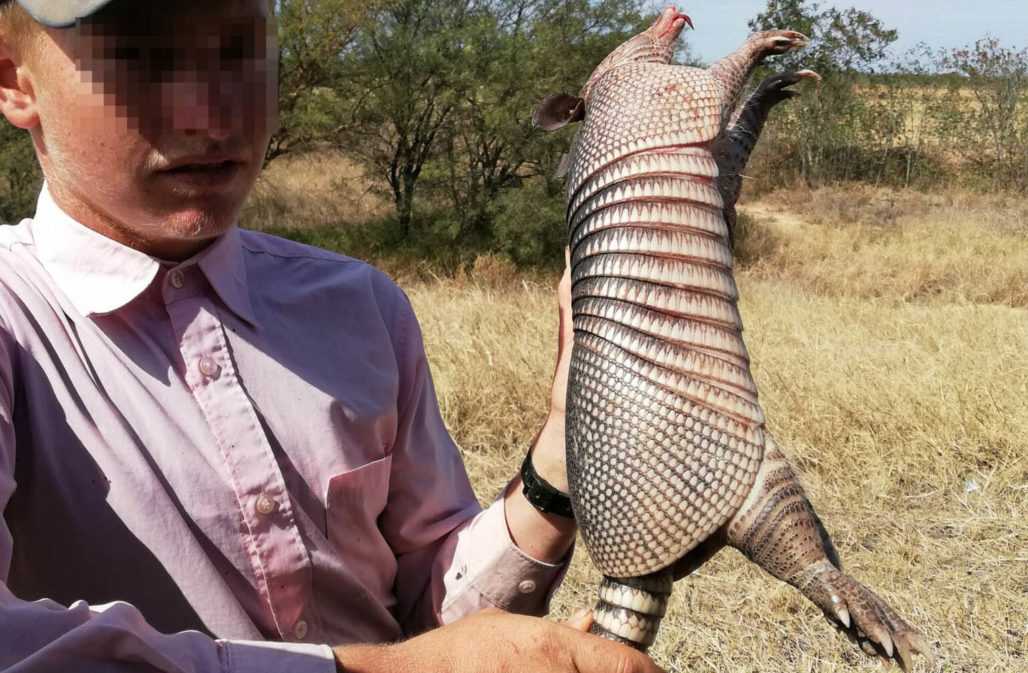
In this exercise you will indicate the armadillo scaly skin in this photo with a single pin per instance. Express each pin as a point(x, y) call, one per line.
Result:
point(668, 455)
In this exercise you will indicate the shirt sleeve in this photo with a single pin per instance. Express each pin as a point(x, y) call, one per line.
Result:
point(42, 636)
point(454, 558)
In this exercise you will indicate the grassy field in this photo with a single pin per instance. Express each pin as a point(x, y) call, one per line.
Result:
point(889, 335)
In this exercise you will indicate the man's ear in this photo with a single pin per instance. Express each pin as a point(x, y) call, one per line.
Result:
point(557, 111)
point(17, 99)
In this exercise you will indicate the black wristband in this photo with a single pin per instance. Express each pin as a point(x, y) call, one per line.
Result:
point(543, 496)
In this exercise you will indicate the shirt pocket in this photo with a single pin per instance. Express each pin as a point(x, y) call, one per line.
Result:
point(354, 503)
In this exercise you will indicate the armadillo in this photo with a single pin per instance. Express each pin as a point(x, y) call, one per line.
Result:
point(669, 457)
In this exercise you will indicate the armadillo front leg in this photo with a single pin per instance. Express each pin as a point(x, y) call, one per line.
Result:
point(734, 70)
point(733, 147)
point(629, 610)
point(778, 529)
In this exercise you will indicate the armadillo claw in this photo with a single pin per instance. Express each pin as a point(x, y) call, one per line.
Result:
point(780, 41)
point(809, 74)
point(863, 616)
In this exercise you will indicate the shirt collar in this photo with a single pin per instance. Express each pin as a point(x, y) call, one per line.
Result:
point(100, 275)
point(225, 267)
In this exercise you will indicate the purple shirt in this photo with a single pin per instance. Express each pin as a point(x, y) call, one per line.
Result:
point(243, 450)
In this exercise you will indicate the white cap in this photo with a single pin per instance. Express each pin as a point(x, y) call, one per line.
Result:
point(61, 13)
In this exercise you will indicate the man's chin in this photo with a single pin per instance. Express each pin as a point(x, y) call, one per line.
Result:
point(200, 224)
point(194, 214)
point(184, 233)
point(189, 219)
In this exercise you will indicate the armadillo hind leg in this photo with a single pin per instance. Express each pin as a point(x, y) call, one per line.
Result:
point(629, 610)
point(778, 529)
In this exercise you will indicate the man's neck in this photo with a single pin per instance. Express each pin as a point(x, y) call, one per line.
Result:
point(107, 225)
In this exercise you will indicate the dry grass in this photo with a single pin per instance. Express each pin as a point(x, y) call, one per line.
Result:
point(891, 359)
point(894, 245)
point(313, 190)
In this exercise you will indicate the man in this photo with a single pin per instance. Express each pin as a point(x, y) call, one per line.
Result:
point(219, 450)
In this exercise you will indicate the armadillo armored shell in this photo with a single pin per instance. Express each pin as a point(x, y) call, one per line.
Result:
point(664, 429)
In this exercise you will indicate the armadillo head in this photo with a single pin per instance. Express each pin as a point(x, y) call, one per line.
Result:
point(656, 44)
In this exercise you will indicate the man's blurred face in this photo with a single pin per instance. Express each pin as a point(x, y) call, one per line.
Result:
point(155, 116)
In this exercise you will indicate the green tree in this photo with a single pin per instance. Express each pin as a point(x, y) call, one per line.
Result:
point(519, 51)
point(837, 133)
point(403, 79)
point(314, 37)
point(436, 97)
point(842, 40)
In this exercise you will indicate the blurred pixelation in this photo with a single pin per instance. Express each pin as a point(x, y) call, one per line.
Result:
point(149, 63)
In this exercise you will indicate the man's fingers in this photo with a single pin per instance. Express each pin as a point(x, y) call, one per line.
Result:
point(564, 289)
point(581, 620)
point(596, 655)
point(564, 300)
point(565, 332)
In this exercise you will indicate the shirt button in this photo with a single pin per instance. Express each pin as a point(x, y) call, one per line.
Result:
point(266, 505)
point(300, 630)
point(175, 278)
point(526, 586)
point(209, 368)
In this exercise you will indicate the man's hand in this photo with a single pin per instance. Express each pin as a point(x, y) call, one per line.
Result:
point(565, 340)
point(548, 537)
point(498, 642)
point(548, 457)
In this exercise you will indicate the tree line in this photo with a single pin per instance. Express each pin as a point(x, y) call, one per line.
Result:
point(434, 99)
point(930, 118)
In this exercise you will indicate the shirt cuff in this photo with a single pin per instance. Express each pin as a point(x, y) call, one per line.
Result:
point(253, 656)
point(507, 577)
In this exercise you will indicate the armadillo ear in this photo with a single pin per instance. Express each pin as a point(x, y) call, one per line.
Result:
point(557, 111)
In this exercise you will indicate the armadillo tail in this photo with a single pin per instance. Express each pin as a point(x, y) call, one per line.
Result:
point(630, 609)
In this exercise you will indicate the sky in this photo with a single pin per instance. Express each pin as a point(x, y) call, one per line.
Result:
point(721, 24)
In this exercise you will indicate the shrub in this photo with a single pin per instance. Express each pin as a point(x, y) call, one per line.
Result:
point(20, 177)
point(528, 224)
point(753, 240)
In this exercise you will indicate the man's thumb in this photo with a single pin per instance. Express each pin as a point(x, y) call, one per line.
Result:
point(581, 620)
